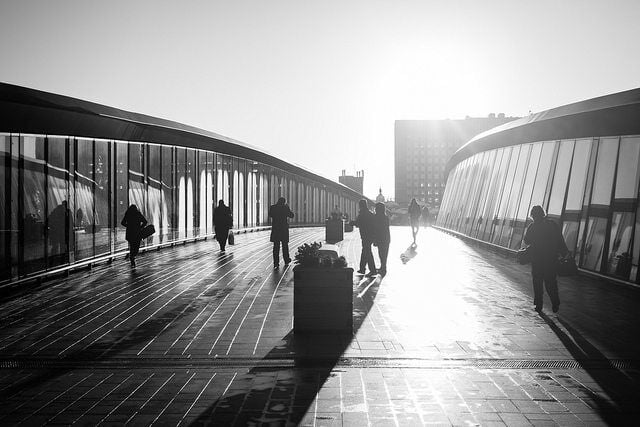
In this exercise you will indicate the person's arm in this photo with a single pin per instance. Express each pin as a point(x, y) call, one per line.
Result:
point(124, 221)
point(527, 235)
point(562, 245)
point(289, 212)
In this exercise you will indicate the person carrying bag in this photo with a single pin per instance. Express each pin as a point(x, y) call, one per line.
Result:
point(222, 223)
point(545, 244)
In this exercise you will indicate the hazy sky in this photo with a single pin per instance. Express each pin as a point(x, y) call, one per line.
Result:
point(320, 83)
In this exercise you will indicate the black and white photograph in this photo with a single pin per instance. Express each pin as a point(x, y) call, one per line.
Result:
point(319, 213)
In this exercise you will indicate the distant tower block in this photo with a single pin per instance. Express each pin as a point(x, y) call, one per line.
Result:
point(356, 183)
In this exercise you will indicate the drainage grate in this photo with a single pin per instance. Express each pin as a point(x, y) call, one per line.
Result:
point(311, 363)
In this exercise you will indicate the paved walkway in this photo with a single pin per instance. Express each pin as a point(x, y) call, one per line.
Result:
point(192, 336)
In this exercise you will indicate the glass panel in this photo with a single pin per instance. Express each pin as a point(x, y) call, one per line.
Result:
point(122, 192)
point(59, 224)
point(192, 200)
point(525, 198)
point(505, 195)
point(240, 207)
point(636, 248)
point(136, 177)
point(84, 186)
point(627, 178)
point(5, 208)
point(33, 203)
point(594, 244)
point(570, 233)
point(210, 191)
point(495, 191)
point(619, 262)
point(542, 176)
point(168, 222)
point(154, 191)
point(579, 167)
point(514, 196)
point(235, 208)
point(102, 198)
point(181, 192)
point(203, 189)
point(605, 168)
point(560, 179)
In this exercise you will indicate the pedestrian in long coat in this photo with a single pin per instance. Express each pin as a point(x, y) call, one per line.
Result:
point(222, 223)
point(365, 222)
point(280, 214)
point(134, 221)
point(414, 211)
point(546, 245)
point(382, 236)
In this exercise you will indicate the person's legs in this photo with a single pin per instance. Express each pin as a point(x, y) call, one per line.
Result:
point(363, 258)
point(276, 253)
point(551, 284)
point(134, 248)
point(285, 252)
point(538, 278)
point(366, 247)
point(223, 239)
point(383, 252)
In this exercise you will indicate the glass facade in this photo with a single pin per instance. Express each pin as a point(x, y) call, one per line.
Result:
point(62, 197)
point(589, 186)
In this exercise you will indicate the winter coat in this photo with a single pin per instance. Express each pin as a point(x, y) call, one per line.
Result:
point(134, 221)
point(279, 222)
point(222, 218)
point(381, 229)
point(546, 242)
point(365, 222)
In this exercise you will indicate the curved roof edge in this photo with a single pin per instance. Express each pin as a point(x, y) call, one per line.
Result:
point(26, 110)
point(609, 115)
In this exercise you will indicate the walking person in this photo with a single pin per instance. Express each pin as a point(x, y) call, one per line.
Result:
point(425, 216)
point(364, 221)
point(545, 243)
point(58, 224)
point(133, 221)
point(382, 236)
point(280, 214)
point(222, 223)
point(414, 217)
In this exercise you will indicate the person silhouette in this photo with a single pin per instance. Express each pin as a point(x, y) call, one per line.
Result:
point(58, 225)
point(425, 216)
point(382, 236)
point(133, 221)
point(222, 223)
point(279, 214)
point(546, 242)
point(414, 211)
point(364, 221)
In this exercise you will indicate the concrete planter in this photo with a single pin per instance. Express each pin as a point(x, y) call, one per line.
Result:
point(322, 300)
point(334, 231)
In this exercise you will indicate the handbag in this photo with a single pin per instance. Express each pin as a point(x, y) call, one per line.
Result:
point(147, 231)
point(524, 255)
point(232, 239)
point(566, 266)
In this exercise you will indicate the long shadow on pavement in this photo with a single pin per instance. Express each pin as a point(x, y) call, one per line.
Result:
point(282, 395)
point(622, 389)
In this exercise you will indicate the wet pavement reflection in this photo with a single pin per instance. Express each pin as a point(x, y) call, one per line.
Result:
point(193, 336)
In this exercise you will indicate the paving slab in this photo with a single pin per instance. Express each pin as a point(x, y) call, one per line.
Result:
point(194, 336)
